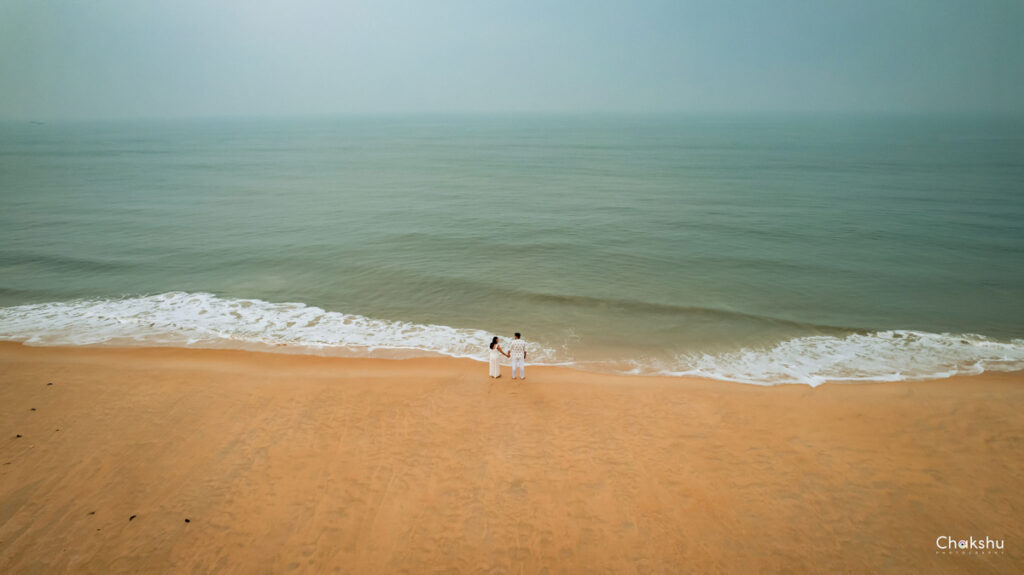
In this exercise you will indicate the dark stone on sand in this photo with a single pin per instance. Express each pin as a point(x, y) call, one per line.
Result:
point(187, 520)
point(92, 513)
point(33, 409)
point(19, 435)
point(132, 517)
point(51, 383)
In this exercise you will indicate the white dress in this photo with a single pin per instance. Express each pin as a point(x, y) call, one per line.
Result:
point(495, 367)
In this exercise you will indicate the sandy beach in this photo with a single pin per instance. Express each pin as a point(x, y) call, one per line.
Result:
point(177, 461)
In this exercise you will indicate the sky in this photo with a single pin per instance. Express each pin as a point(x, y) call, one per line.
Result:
point(94, 59)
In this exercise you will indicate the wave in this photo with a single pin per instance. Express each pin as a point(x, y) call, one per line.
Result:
point(662, 309)
point(892, 355)
point(626, 306)
point(206, 320)
point(61, 262)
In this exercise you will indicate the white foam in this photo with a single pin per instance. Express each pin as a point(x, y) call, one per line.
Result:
point(206, 320)
point(894, 355)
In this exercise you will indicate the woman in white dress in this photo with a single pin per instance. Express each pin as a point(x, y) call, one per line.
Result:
point(495, 352)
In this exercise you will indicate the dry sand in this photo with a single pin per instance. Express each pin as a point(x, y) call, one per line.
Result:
point(289, 463)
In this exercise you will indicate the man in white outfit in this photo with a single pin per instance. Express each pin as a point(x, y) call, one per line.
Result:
point(517, 351)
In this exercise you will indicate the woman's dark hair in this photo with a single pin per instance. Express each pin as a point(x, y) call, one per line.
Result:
point(494, 342)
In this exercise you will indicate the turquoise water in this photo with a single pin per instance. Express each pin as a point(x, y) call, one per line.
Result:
point(754, 249)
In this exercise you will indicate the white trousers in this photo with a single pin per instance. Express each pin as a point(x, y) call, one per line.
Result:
point(519, 362)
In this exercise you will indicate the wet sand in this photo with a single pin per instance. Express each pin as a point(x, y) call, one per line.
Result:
point(321, 465)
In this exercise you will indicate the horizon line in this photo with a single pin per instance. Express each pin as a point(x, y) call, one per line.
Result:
point(980, 114)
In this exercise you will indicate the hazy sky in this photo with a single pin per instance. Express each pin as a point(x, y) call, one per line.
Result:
point(140, 58)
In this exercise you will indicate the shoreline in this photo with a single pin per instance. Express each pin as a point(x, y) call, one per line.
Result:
point(397, 354)
point(323, 464)
point(204, 320)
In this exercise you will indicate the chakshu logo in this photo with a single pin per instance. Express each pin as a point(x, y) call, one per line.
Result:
point(969, 545)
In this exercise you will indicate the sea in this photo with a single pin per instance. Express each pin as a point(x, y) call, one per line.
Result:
point(759, 249)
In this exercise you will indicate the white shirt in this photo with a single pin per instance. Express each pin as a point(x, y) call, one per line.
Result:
point(517, 348)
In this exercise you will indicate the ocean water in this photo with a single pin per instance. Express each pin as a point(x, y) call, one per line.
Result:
point(755, 249)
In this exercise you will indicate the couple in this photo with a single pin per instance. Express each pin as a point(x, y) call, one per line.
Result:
point(516, 351)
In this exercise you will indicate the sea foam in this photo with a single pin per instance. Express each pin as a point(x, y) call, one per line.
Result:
point(892, 355)
point(206, 320)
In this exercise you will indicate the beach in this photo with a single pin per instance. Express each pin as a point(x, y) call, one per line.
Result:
point(755, 249)
point(184, 460)
point(762, 261)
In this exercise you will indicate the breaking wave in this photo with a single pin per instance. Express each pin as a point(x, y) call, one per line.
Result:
point(206, 320)
point(893, 355)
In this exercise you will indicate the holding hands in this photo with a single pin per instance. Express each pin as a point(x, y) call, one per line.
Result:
point(517, 345)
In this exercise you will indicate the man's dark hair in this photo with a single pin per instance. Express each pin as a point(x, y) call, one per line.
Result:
point(517, 334)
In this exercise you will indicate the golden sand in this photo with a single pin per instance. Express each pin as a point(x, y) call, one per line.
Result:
point(322, 465)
